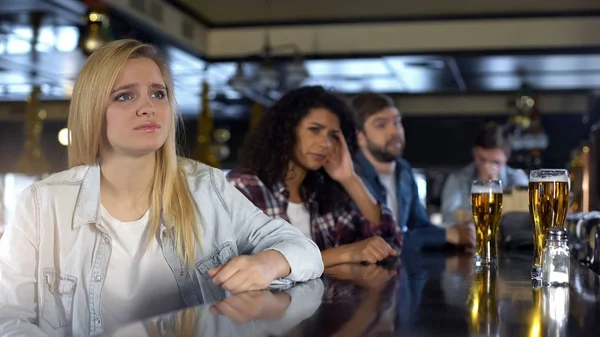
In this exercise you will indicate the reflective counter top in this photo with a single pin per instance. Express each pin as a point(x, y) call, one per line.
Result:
point(424, 294)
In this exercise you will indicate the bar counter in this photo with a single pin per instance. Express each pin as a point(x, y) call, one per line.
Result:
point(420, 294)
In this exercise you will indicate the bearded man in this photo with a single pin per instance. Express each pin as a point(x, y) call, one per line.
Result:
point(390, 178)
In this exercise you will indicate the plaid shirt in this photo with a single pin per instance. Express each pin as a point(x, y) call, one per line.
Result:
point(328, 230)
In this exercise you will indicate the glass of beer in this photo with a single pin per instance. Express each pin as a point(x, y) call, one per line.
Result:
point(548, 203)
point(486, 202)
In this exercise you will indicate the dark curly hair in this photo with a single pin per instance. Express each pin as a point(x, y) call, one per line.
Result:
point(270, 146)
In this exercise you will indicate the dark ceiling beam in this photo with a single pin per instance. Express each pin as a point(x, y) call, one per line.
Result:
point(389, 19)
point(206, 20)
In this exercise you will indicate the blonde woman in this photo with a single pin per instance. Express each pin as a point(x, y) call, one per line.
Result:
point(131, 230)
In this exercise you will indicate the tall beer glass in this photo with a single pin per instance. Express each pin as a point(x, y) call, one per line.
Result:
point(486, 201)
point(548, 202)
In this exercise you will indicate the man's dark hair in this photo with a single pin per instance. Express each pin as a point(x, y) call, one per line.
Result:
point(493, 136)
point(270, 146)
point(366, 105)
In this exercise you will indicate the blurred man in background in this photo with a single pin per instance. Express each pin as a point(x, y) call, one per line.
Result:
point(491, 151)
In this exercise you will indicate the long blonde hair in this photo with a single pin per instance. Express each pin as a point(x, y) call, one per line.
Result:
point(170, 192)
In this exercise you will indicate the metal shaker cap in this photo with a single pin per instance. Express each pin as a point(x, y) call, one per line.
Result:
point(556, 234)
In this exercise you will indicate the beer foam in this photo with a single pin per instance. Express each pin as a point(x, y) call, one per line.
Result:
point(486, 189)
point(550, 178)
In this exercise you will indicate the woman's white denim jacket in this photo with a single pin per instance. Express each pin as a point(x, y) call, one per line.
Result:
point(54, 254)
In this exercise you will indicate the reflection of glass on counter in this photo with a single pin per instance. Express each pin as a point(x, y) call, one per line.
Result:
point(549, 312)
point(482, 304)
point(252, 314)
point(555, 311)
point(536, 310)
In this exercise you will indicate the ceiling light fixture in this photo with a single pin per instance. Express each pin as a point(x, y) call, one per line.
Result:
point(272, 79)
point(238, 81)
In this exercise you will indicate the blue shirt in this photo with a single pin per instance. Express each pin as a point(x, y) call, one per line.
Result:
point(412, 217)
point(456, 193)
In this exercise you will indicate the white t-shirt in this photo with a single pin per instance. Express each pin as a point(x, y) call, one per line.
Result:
point(389, 183)
point(139, 283)
point(299, 217)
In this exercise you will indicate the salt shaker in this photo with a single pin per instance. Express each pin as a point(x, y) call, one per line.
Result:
point(556, 258)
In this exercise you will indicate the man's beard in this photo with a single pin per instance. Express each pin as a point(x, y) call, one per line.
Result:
point(381, 154)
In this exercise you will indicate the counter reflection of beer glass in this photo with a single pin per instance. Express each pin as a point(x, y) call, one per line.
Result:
point(548, 203)
point(482, 304)
point(486, 202)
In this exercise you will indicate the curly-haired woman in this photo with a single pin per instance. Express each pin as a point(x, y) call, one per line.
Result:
point(297, 165)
